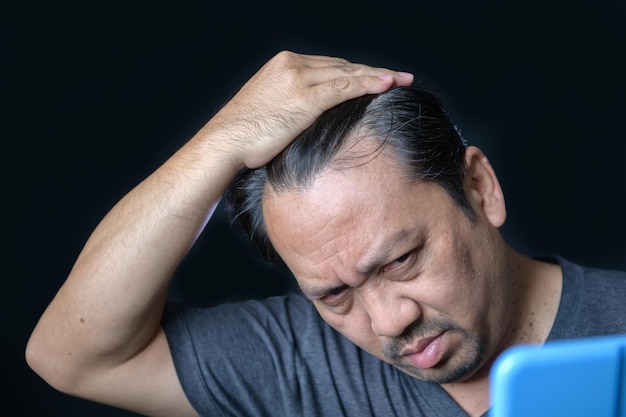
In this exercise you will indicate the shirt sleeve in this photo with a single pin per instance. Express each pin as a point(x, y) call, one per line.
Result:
point(245, 358)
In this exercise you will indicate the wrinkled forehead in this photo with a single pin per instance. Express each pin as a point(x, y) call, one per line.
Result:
point(362, 185)
point(349, 219)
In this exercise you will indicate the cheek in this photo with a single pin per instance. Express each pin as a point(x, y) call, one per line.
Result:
point(474, 284)
point(454, 288)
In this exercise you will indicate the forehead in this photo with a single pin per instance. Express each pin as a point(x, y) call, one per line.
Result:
point(356, 186)
point(348, 216)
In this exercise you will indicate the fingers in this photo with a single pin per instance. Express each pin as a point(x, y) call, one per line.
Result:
point(329, 81)
point(338, 90)
point(347, 66)
point(333, 72)
point(319, 69)
point(333, 67)
point(321, 60)
point(365, 75)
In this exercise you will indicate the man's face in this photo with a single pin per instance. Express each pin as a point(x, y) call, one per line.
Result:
point(396, 267)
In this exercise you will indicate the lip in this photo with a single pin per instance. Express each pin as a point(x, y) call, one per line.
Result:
point(426, 353)
point(419, 346)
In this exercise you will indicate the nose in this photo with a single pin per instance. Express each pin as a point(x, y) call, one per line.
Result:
point(390, 312)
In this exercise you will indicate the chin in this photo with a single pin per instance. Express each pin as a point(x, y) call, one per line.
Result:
point(449, 370)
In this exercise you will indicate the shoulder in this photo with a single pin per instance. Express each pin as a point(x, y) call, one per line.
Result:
point(274, 322)
point(283, 309)
point(592, 301)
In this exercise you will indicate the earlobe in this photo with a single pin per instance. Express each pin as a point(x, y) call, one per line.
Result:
point(483, 188)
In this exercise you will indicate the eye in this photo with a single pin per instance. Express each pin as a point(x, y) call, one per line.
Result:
point(398, 263)
point(334, 296)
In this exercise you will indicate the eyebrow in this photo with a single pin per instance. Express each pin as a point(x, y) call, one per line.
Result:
point(317, 292)
point(380, 257)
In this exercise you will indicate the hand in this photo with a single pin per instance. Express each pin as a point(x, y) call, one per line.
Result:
point(286, 96)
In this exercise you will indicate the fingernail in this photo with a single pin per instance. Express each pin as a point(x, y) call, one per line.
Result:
point(405, 74)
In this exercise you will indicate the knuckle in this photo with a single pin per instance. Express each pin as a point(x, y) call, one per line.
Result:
point(348, 68)
point(284, 57)
point(341, 84)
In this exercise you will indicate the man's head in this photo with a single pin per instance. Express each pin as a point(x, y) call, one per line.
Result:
point(409, 122)
point(389, 224)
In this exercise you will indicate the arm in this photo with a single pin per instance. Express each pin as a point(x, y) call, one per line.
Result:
point(100, 337)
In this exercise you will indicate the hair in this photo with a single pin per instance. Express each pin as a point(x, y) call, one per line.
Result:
point(408, 123)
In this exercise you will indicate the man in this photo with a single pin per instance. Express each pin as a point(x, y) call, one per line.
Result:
point(395, 245)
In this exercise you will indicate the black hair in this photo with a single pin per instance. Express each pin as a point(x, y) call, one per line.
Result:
point(408, 123)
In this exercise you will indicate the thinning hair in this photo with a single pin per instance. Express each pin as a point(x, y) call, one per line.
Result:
point(408, 123)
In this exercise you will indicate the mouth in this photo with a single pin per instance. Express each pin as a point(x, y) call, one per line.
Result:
point(426, 353)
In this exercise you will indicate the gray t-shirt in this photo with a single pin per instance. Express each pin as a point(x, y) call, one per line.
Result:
point(277, 357)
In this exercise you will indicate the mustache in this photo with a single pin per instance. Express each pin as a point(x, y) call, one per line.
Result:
point(416, 330)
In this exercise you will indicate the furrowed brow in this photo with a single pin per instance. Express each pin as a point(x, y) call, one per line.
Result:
point(314, 293)
point(381, 255)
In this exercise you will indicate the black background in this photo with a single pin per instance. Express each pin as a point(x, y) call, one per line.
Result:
point(98, 94)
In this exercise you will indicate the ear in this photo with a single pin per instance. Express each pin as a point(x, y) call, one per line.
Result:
point(482, 187)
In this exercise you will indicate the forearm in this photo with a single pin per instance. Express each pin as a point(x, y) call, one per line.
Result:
point(110, 306)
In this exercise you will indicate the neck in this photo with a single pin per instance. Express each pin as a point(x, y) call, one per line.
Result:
point(535, 296)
